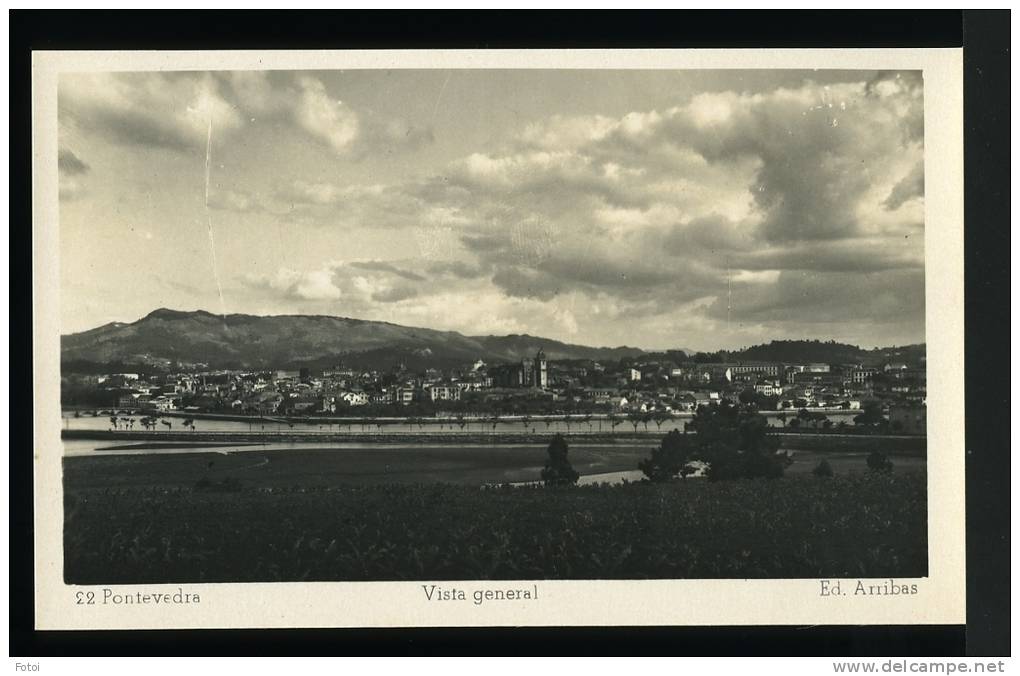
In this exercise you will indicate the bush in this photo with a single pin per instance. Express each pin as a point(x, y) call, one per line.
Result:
point(823, 469)
point(875, 526)
point(761, 466)
point(558, 471)
point(227, 485)
point(878, 462)
point(729, 466)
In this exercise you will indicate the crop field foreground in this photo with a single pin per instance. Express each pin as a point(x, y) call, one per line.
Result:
point(856, 525)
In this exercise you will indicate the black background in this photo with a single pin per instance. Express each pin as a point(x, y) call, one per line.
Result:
point(985, 37)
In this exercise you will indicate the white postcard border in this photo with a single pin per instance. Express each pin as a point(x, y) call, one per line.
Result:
point(940, 598)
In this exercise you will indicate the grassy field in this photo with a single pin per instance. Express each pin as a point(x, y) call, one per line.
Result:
point(164, 529)
point(312, 468)
point(321, 467)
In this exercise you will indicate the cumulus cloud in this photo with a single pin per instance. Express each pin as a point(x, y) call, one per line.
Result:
point(314, 285)
point(781, 207)
point(324, 117)
point(174, 110)
point(357, 284)
point(910, 187)
point(796, 193)
point(165, 110)
point(306, 102)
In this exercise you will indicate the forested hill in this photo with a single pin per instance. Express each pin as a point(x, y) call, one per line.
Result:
point(165, 337)
point(829, 352)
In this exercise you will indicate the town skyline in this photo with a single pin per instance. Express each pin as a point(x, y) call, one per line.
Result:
point(699, 210)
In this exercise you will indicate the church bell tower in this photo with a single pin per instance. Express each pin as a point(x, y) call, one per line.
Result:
point(540, 371)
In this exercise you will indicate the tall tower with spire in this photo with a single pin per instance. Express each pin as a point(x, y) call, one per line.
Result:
point(540, 372)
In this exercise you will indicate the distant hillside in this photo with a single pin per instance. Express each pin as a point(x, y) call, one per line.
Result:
point(829, 352)
point(290, 341)
point(802, 351)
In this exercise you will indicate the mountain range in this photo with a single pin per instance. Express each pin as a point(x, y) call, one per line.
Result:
point(292, 341)
point(172, 337)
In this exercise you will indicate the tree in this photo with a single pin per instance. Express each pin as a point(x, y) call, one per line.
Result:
point(823, 469)
point(870, 415)
point(668, 460)
point(736, 443)
point(635, 419)
point(558, 470)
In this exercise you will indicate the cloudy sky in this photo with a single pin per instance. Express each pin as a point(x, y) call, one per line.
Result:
point(699, 209)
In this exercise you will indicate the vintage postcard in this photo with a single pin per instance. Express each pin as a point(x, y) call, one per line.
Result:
point(498, 338)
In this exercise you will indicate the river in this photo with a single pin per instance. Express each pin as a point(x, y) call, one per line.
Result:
point(420, 426)
point(442, 460)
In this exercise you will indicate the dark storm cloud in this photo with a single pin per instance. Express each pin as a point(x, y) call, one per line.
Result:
point(707, 234)
point(598, 274)
point(827, 297)
point(484, 243)
point(70, 164)
point(71, 173)
point(910, 187)
point(818, 152)
point(821, 170)
point(396, 294)
point(175, 110)
point(524, 282)
point(383, 266)
point(459, 269)
point(137, 129)
point(157, 110)
point(834, 256)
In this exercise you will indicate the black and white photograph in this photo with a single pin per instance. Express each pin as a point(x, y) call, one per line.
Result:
point(484, 330)
point(492, 325)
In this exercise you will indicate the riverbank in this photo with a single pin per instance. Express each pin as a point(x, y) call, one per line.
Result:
point(823, 441)
point(467, 418)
